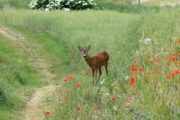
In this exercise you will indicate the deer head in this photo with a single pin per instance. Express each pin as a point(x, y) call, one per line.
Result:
point(84, 50)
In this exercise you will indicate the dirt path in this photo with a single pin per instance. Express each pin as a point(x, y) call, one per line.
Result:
point(35, 105)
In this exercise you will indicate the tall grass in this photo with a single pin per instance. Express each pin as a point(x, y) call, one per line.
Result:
point(17, 79)
point(119, 34)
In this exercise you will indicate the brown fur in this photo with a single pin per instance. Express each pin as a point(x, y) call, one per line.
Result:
point(97, 61)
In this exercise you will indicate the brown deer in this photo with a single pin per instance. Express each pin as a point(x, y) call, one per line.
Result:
point(95, 62)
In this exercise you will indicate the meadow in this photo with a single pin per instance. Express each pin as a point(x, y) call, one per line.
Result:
point(144, 48)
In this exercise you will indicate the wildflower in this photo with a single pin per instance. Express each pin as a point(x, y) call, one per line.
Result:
point(168, 76)
point(175, 72)
point(172, 58)
point(127, 77)
point(102, 82)
point(147, 41)
point(88, 73)
point(65, 98)
point(65, 79)
point(151, 62)
point(107, 94)
point(132, 82)
point(94, 107)
point(178, 41)
point(146, 78)
point(129, 100)
point(114, 97)
point(72, 76)
point(158, 58)
point(178, 63)
point(134, 68)
point(78, 109)
point(78, 84)
point(47, 113)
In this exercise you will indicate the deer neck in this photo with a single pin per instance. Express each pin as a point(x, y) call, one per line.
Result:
point(88, 60)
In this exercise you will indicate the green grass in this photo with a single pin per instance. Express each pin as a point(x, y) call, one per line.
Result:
point(60, 33)
point(17, 77)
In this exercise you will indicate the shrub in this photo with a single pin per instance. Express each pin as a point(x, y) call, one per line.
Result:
point(62, 4)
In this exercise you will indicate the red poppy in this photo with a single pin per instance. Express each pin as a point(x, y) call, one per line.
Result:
point(88, 73)
point(151, 62)
point(65, 98)
point(146, 78)
point(65, 79)
point(158, 58)
point(114, 97)
point(78, 84)
point(172, 58)
point(132, 82)
point(175, 72)
point(149, 72)
point(134, 68)
point(178, 41)
point(78, 109)
point(129, 100)
point(47, 113)
point(72, 76)
point(168, 76)
point(179, 63)
point(94, 107)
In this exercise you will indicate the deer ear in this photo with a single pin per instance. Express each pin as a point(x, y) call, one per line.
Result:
point(80, 48)
point(89, 47)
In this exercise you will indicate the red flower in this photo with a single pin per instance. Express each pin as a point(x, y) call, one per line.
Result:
point(172, 58)
point(65, 98)
point(179, 63)
point(114, 97)
point(78, 84)
point(149, 72)
point(134, 68)
point(178, 41)
point(47, 113)
point(78, 109)
point(65, 79)
point(88, 73)
point(175, 72)
point(129, 100)
point(94, 107)
point(168, 76)
point(146, 78)
point(151, 62)
point(132, 82)
point(158, 58)
point(72, 76)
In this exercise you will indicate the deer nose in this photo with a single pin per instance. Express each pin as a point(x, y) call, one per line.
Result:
point(84, 55)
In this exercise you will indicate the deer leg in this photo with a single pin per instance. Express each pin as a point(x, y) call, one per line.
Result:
point(96, 73)
point(106, 67)
point(100, 73)
point(93, 75)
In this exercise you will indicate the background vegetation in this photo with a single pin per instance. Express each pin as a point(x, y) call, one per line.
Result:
point(122, 35)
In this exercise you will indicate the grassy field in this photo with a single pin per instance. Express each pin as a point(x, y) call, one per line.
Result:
point(17, 77)
point(133, 41)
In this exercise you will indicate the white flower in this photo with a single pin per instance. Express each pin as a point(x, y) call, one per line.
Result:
point(147, 41)
point(127, 77)
point(47, 9)
point(107, 94)
point(101, 82)
point(114, 107)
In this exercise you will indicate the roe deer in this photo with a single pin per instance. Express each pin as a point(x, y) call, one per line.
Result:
point(95, 62)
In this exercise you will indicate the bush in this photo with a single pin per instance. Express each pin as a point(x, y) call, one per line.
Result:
point(62, 4)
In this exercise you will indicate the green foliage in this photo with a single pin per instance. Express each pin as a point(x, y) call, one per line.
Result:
point(60, 4)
